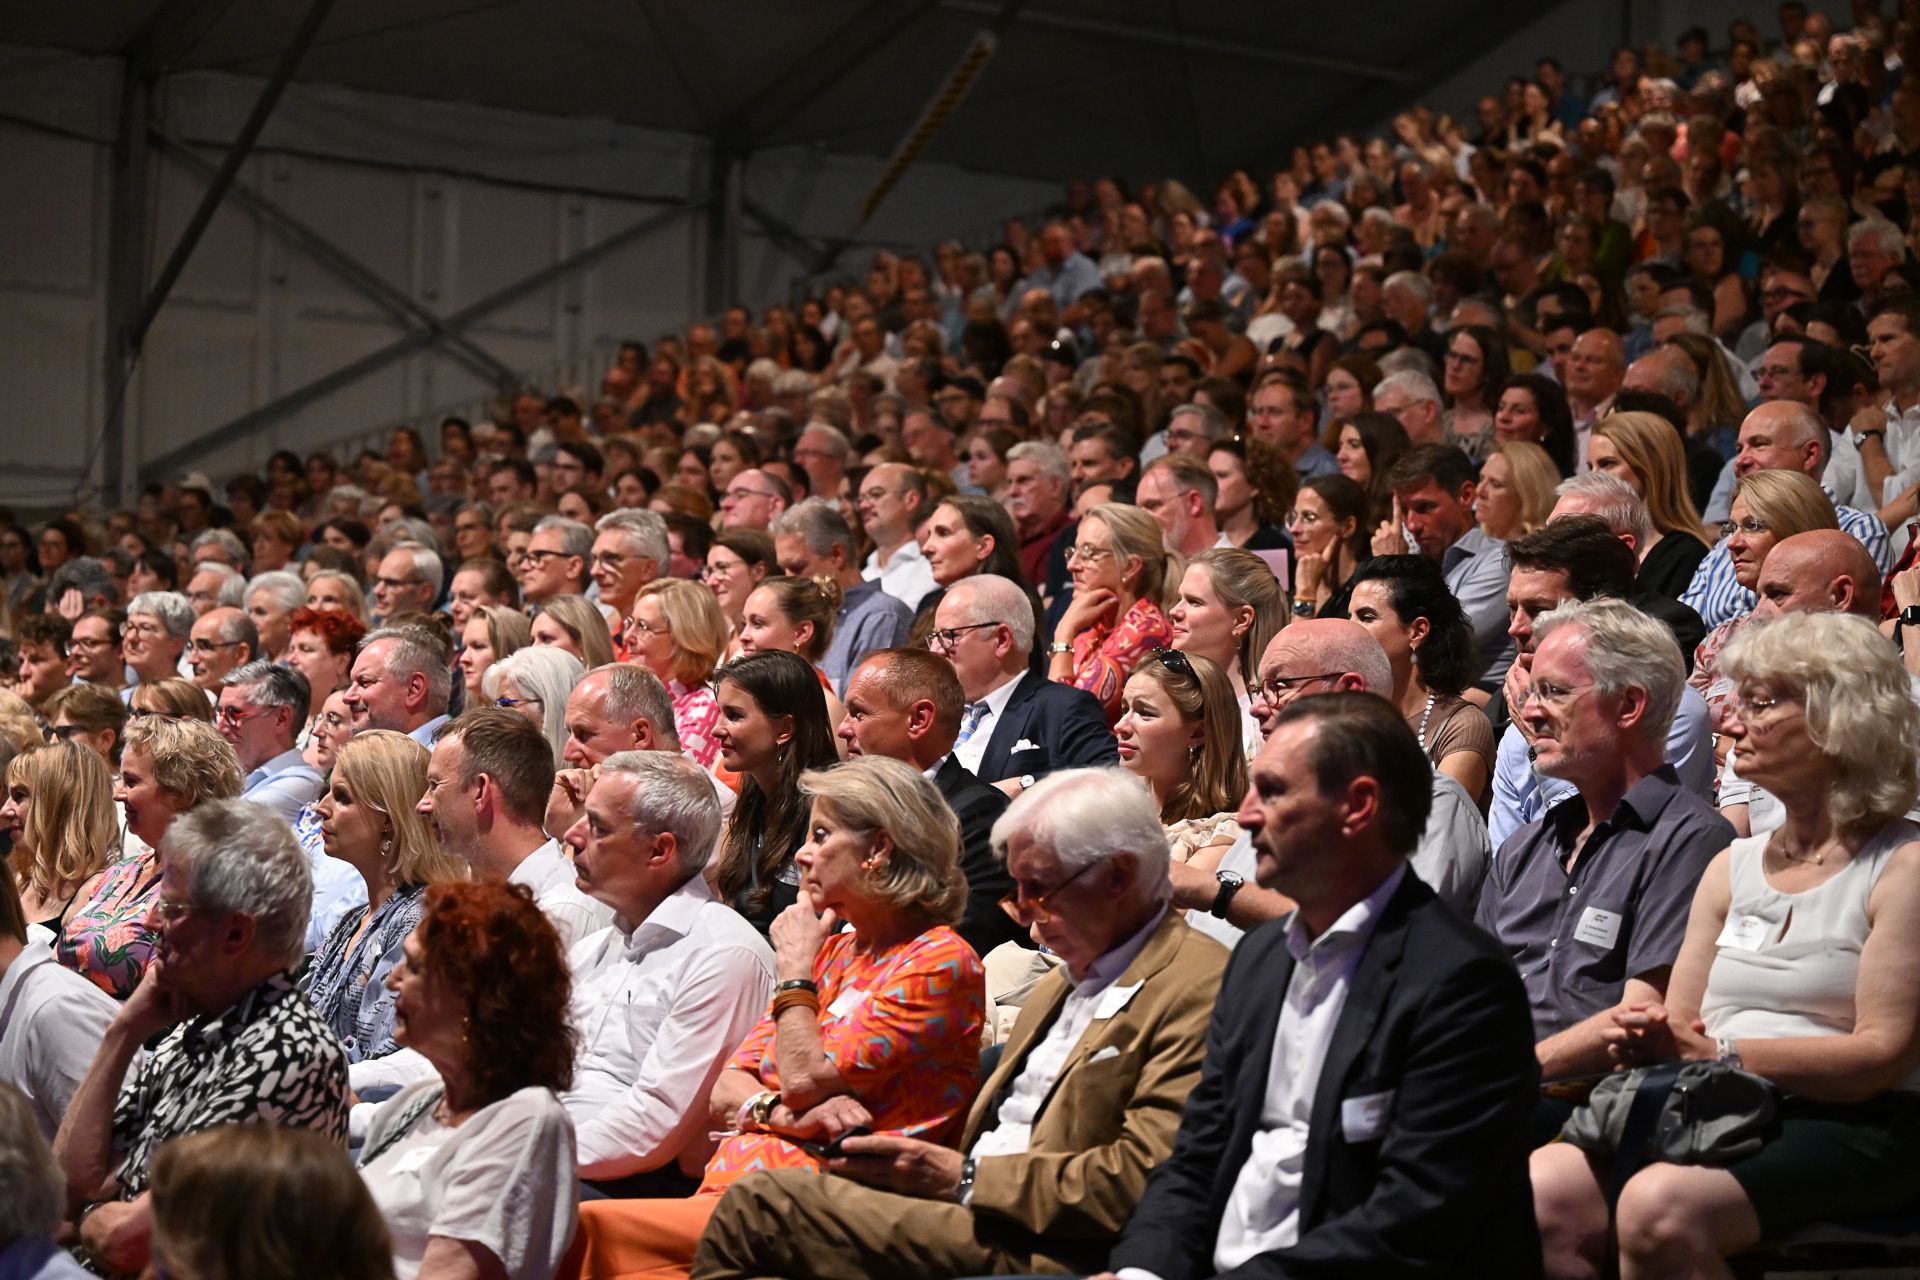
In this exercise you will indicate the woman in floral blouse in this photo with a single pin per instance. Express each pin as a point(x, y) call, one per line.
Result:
point(167, 767)
point(1121, 572)
point(677, 631)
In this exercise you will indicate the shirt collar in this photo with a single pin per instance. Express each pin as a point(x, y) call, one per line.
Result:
point(998, 699)
point(1350, 932)
point(210, 1031)
point(675, 914)
point(1105, 971)
point(1641, 807)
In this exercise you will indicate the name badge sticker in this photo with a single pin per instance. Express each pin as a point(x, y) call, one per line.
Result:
point(1113, 1000)
point(410, 1161)
point(846, 1002)
point(1598, 927)
point(1744, 933)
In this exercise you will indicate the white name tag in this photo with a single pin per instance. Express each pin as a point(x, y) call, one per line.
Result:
point(1113, 1000)
point(1744, 933)
point(1598, 928)
point(846, 1002)
point(1364, 1119)
point(410, 1161)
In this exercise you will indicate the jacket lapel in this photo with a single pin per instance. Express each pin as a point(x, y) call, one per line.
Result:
point(1155, 956)
point(1042, 1007)
point(1367, 996)
point(1007, 728)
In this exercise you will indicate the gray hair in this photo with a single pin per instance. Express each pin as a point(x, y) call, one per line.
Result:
point(988, 597)
point(794, 382)
point(1674, 376)
point(576, 539)
point(646, 533)
point(169, 608)
point(238, 628)
point(1693, 318)
point(1084, 816)
point(819, 524)
point(227, 541)
point(671, 794)
point(1213, 423)
point(1613, 501)
point(1052, 462)
point(426, 564)
point(272, 685)
point(1409, 360)
point(1885, 235)
point(1418, 388)
point(542, 671)
point(1411, 283)
point(417, 651)
point(1377, 213)
point(1807, 425)
point(233, 586)
point(1625, 650)
point(635, 693)
point(286, 588)
point(85, 574)
point(239, 856)
point(835, 439)
point(33, 1187)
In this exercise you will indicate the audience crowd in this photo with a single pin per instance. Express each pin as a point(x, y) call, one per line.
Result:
point(1208, 736)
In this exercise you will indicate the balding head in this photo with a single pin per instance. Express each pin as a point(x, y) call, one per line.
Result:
point(1820, 571)
point(1664, 371)
point(1319, 655)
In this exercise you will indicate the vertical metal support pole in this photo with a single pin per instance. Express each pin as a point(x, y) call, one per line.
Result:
point(126, 273)
point(727, 168)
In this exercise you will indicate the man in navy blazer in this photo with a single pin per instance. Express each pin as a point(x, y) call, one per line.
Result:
point(1369, 1070)
point(1016, 726)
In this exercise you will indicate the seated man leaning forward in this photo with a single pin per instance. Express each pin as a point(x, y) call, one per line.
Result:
point(241, 1044)
point(1082, 1105)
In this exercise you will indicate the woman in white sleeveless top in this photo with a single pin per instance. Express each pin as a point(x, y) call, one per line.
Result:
point(1801, 964)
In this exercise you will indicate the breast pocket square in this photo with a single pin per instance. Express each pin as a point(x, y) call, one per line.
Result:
point(1111, 1051)
point(1025, 744)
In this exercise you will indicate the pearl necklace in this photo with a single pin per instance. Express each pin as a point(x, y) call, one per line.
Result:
point(1423, 721)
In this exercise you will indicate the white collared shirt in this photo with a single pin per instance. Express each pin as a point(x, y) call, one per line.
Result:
point(1093, 998)
point(1263, 1211)
point(548, 871)
point(906, 575)
point(659, 1007)
point(971, 752)
point(51, 1022)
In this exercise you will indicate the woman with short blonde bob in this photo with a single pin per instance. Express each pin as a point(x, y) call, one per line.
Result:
point(1644, 450)
point(1799, 966)
point(574, 624)
point(1515, 493)
point(59, 807)
point(677, 631)
point(369, 819)
point(1228, 607)
point(535, 681)
point(246, 1200)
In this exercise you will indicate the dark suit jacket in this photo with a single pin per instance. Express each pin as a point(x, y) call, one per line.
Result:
point(1435, 1014)
point(1113, 1110)
point(978, 806)
point(1066, 726)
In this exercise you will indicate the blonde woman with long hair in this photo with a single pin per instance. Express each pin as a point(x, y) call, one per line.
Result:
point(59, 809)
point(1123, 575)
point(1177, 733)
point(1228, 607)
point(1644, 451)
point(369, 820)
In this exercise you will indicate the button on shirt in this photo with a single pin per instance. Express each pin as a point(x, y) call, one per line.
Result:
point(549, 873)
point(1718, 597)
point(971, 752)
point(658, 1007)
point(906, 575)
point(1476, 571)
point(1085, 1004)
point(1578, 935)
point(1262, 1212)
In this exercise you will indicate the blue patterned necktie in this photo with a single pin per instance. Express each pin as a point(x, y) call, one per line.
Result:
point(971, 722)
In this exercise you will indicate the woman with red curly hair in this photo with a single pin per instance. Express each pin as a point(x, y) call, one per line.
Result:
point(320, 646)
point(474, 1171)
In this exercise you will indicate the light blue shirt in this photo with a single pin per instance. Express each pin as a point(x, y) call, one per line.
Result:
point(285, 784)
point(1068, 282)
point(1477, 571)
point(337, 887)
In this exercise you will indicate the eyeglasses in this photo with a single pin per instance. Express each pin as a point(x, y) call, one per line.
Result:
point(141, 713)
point(1749, 526)
point(946, 637)
point(63, 732)
point(204, 647)
point(634, 624)
point(1549, 694)
point(742, 494)
point(90, 646)
point(1088, 554)
point(1303, 518)
point(536, 557)
point(234, 715)
point(1034, 910)
point(511, 703)
point(170, 909)
point(611, 560)
point(1462, 357)
point(1750, 709)
point(1280, 686)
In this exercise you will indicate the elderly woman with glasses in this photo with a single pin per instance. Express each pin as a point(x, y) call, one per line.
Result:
point(875, 1028)
point(678, 631)
point(168, 767)
point(535, 682)
point(1122, 571)
point(1800, 965)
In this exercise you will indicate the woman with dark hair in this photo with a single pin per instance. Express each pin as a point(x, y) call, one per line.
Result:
point(772, 728)
point(1476, 365)
point(1404, 602)
point(1349, 386)
point(1366, 446)
point(1331, 533)
point(811, 350)
point(1256, 484)
point(474, 1170)
point(1715, 243)
point(1532, 407)
point(153, 571)
point(347, 534)
point(967, 534)
point(695, 471)
point(60, 540)
point(732, 453)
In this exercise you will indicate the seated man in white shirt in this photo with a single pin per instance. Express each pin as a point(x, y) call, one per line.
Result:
point(262, 707)
point(1082, 1105)
point(487, 788)
point(665, 993)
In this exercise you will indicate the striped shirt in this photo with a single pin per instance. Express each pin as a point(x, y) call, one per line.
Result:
point(1718, 598)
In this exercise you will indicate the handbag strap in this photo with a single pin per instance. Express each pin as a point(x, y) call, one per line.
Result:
point(428, 1099)
point(1636, 1135)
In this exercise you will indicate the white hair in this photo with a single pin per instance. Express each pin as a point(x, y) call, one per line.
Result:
point(169, 608)
point(1613, 501)
point(635, 693)
point(576, 538)
point(1418, 388)
point(240, 856)
point(671, 794)
point(1625, 650)
point(1052, 462)
point(646, 533)
point(546, 672)
point(1084, 816)
point(426, 563)
point(819, 523)
point(286, 589)
point(1884, 234)
point(233, 585)
point(1411, 283)
point(988, 597)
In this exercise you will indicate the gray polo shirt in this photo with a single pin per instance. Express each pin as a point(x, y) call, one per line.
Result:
point(1476, 569)
point(1621, 912)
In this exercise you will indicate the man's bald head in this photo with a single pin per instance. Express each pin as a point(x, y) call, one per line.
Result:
point(1339, 655)
point(1820, 571)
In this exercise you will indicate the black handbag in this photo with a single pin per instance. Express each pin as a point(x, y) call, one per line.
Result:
point(1707, 1113)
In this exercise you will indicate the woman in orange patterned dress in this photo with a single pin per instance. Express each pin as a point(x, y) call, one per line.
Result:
point(874, 1028)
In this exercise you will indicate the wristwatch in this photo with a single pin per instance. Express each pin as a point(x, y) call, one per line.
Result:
point(1860, 437)
point(1230, 882)
point(1027, 780)
point(1303, 608)
point(760, 1107)
point(1056, 649)
point(963, 1192)
point(1729, 1052)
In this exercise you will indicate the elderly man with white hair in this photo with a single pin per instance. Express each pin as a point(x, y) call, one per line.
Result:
point(215, 585)
point(1412, 399)
point(663, 995)
point(1081, 1106)
point(238, 1042)
point(402, 678)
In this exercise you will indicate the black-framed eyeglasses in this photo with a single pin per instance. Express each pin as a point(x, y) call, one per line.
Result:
point(1280, 686)
point(204, 647)
point(945, 638)
point(1034, 910)
point(395, 584)
point(537, 557)
point(511, 703)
